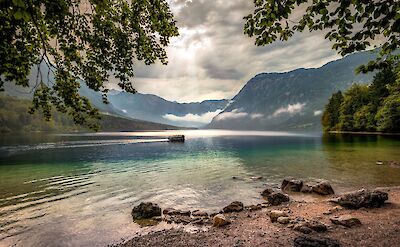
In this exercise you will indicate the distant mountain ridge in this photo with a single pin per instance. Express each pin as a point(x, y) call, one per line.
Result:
point(153, 108)
point(146, 107)
point(291, 100)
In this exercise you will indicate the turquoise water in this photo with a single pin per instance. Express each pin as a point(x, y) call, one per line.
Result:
point(74, 190)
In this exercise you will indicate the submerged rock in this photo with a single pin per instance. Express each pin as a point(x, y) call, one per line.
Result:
point(233, 207)
point(220, 220)
point(291, 185)
point(146, 210)
point(394, 164)
point(277, 198)
point(362, 198)
point(346, 220)
point(323, 188)
point(306, 241)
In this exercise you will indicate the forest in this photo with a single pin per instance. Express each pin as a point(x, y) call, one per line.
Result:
point(366, 108)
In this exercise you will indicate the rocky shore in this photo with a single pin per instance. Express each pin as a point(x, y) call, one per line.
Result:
point(358, 218)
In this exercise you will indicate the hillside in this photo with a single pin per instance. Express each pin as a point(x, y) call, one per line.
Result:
point(14, 117)
point(291, 100)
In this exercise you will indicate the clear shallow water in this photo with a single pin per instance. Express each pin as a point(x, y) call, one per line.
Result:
point(78, 190)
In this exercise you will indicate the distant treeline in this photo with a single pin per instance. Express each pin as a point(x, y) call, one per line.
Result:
point(14, 117)
point(374, 107)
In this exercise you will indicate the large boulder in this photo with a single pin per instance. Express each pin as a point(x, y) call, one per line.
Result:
point(323, 188)
point(146, 210)
point(277, 198)
point(346, 220)
point(362, 198)
point(220, 220)
point(234, 207)
point(291, 185)
point(306, 241)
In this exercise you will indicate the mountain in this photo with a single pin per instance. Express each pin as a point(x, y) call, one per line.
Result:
point(156, 109)
point(291, 100)
point(145, 107)
point(17, 119)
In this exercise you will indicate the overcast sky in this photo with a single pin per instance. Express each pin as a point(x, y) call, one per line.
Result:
point(213, 59)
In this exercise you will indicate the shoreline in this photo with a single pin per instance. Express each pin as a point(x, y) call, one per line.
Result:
point(363, 133)
point(253, 227)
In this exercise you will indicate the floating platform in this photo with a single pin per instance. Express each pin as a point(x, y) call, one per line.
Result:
point(176, 138)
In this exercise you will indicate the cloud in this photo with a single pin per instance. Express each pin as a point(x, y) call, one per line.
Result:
point(213, 59)
point(237, 113)
point(289, 109)
point(203, 118)
point(317, 113)
point(234, 114)
point(256, 115)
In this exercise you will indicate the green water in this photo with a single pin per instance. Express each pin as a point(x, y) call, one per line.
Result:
point(74, 190)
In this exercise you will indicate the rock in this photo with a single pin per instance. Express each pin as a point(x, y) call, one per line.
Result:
point(233, 207)
point(198, 213)
point(275, 214)
point(168, 211)
point(307, 226)
point(277, 198)
point(283, 220)
point(200, 221)
point(394, 164)
point(178, 219)
point(172, 211)
point(346, 220)
point(267, 192)
point(362, 198)
point(323, 188)
point(306, 188)
point(302, 228)
point(254, 207)
point(291, 185)
point(146, 210)
point(306, 241)
point(317, 226)
point(220, 220)
point(333, 210)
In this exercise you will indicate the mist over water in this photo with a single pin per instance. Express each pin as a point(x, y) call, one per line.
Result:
point(79, 189)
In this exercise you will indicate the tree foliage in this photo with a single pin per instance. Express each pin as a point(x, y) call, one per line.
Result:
point(330, 117)
point(374, 107)
point(86, 41)
point(350, 24)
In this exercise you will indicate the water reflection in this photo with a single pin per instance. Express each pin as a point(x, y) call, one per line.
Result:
point(81, 188)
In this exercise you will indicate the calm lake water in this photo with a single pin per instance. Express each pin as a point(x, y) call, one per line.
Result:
point(78, 190)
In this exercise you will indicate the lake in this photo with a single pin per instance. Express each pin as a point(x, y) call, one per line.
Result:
point(79, 189)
